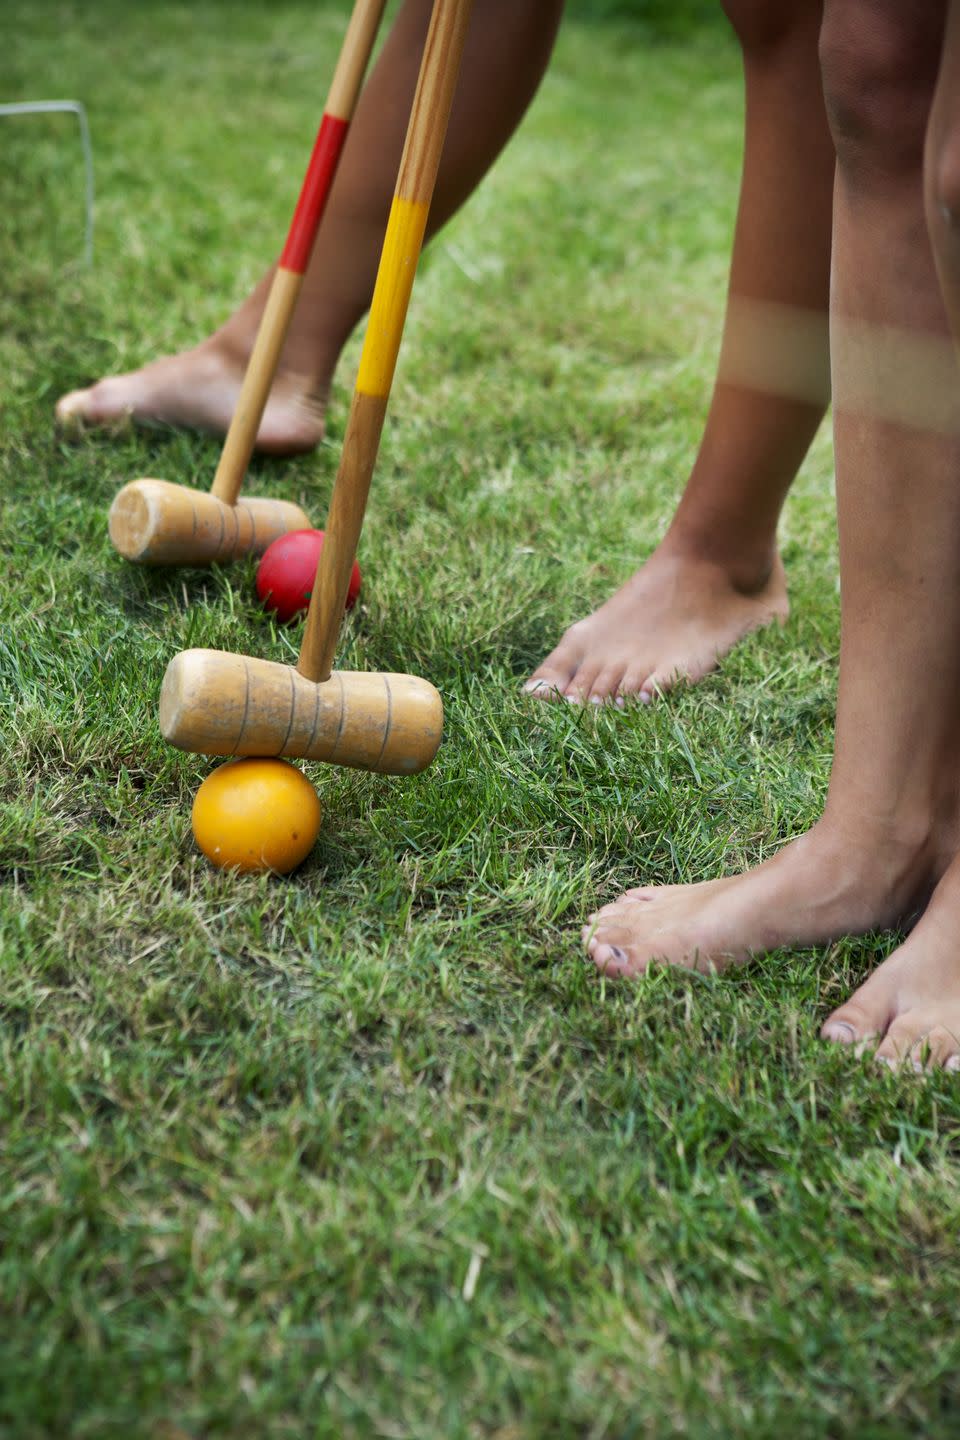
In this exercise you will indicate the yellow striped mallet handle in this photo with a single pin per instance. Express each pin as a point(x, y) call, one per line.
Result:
point(288, 276)
point(398, 263)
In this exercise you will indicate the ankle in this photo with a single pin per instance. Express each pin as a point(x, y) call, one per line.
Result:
point(747, 562)
point(896, 856)
point(230, 349)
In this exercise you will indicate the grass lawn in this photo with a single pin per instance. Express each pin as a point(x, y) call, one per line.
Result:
point(370, 1151)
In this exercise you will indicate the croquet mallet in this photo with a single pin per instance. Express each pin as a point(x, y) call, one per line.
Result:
point(220, 704)
point(157, 523)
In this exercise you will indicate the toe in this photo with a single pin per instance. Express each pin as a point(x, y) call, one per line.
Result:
point(71, 409)
point(668, 676)
point(631, 683)
point(896, 1047)
point(551, 678)
point(618, 912)
point(606, 684)
point(936, 1049)
point(865, 1016)
point(580, 684)
point(546, 687)
point(605, 932)
point(659, 682)
point(111, 399)
point(102, 404)
point(615, 960)
point(841, 1031)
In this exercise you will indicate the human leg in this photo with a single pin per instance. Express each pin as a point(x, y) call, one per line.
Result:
point(890, 827)
point(716, 575)
point(908, 1009)
point(507, 50)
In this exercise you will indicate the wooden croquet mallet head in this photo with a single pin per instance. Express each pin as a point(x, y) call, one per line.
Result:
point(220, 704)
point(154, 522)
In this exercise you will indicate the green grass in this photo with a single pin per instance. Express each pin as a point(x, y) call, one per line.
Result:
point(370, 1151)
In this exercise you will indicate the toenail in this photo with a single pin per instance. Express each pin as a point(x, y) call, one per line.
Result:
point(618, 701)
point(885, 1060)
point(603, 955)
point(644, 697)
point(596, 700)
point(953, 1063)
point(839, 1030)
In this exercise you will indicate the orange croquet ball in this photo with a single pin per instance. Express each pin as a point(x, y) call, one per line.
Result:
point(256, 815)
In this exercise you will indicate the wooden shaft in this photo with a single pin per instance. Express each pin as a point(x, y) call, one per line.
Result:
point(261, 368)
point(354, 58)
point(391, 296)
point(341, 536)
point(427, 127)
point(288, 277)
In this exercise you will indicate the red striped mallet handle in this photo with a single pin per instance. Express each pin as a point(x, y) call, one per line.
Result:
point(381, 345)
point(288, 277)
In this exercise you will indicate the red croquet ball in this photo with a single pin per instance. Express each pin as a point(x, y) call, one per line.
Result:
point(288, 569)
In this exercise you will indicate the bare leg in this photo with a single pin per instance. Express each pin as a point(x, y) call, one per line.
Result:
point(507, 50)
point(892, 821)
point(909, 1008)
point(716, 575)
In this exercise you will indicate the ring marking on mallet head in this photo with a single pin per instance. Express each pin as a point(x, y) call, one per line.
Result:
point(293, 707)
point(386, 728)
point(316, 716)
point(246, 705)
point(342, 720)
point(223, 524)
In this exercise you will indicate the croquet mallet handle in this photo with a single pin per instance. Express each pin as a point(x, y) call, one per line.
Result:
point(288, 276)
point(402, 244)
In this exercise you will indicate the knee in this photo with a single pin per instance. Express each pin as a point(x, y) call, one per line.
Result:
point(761, 27)
point(879, 65)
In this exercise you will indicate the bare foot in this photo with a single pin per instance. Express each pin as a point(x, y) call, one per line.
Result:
point(908, 1012)
point(835, 880)
point(672, 620)
point(198, 390)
